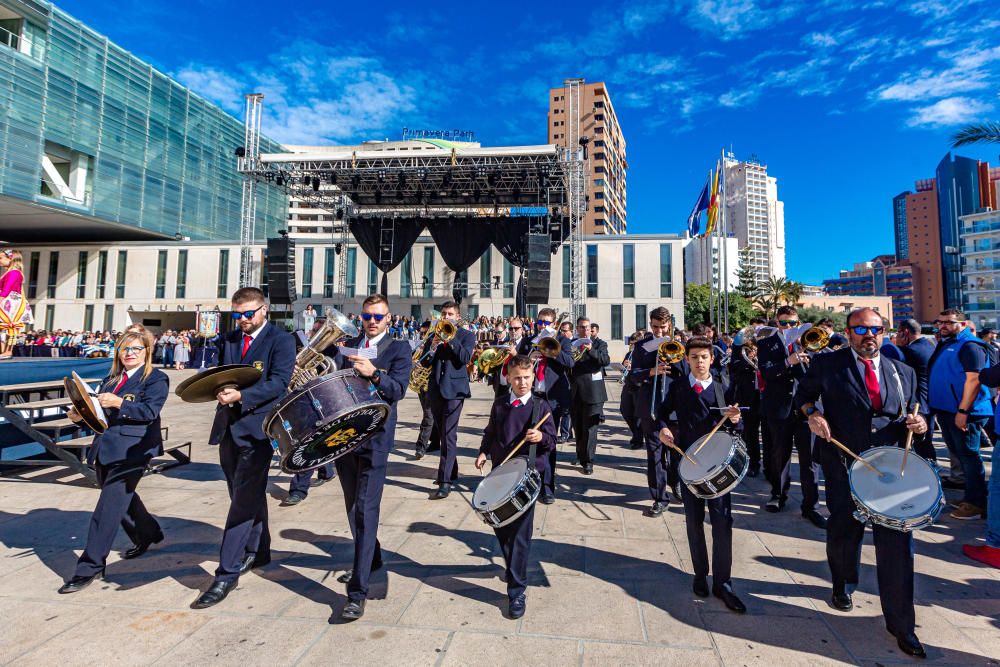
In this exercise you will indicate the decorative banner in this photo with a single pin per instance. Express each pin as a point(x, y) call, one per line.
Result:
point(208, 323)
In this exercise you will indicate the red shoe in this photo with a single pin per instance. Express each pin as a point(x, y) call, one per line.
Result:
point(984, 554)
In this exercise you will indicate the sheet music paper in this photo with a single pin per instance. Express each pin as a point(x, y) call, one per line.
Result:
point(547, 332)
point(580, 342)
point(365, 352)
point(651, 345)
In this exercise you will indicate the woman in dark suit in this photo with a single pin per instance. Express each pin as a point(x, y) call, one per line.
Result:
point(132, 397)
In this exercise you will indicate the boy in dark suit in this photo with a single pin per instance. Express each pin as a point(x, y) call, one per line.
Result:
point(511, 419)
point(692, 399)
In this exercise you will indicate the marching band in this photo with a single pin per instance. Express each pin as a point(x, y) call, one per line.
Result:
point(707, 418)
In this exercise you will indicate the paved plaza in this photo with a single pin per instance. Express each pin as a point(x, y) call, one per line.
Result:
point(609, 586)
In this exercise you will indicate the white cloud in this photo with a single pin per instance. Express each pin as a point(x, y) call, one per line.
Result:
point(730, 19)
point(925, 84)
point(820, 39)
point(214, 85)
point(949, 111)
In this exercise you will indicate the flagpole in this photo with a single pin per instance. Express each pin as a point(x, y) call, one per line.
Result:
point(725, 232)
point(708, 252)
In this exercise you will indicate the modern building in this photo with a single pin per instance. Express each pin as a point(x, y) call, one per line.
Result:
point(959, 194)
point(109, 286)
point(980, 241)
point(899, 225)
point(755, 215)
point(95, 144)
point(882, 276)
point(846, 303)
point(606, 180)
point(924, 250)
point(712, 260)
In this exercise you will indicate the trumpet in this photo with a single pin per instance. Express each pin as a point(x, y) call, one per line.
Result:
point(668, 352)
point(548, 346)
point(310, 362)
point(492, 358)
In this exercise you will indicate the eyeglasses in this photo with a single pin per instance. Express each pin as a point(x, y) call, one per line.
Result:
point(134, 349)
point(543, 323)
point(861, 331)
point(248, 314)
point(516, 328)
point(378, 316)
point(787, 323)
point(941, 323)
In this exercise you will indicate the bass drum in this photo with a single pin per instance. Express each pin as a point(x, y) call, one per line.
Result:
point(326, 418)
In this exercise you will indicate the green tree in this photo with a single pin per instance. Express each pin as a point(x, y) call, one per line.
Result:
point(740, 311)
point(979, 133)
point(814, 315)
point(771, 295)
point(793, 292)
point(696, 306)
point(747, 277)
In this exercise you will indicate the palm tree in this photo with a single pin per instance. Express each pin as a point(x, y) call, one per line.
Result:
point(771, 294)
point(793, 292)
point(978, 133)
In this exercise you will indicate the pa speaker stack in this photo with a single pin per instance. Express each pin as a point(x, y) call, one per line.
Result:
point(281, 270)
point(536, 275)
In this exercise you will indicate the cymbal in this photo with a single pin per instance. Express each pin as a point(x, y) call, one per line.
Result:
point(80, 397)
point(203, 387)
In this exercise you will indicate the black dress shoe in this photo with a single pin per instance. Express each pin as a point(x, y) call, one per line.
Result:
point(547, 499)
point(320, 481)
point(588, 468)
point(841, 601)
point(353, 610)
point(910, 645)
point(948, 484)
point(726, 595)
point(773, 505)
point(433, 448)
point(700, 587)
point(637, 445)
point(815, 518)
point(516, 608)
point(78, 583)
point(140, 549)
point(443, 491)
point(215, 594)
point(346, 576)
point(675, 488)
point(293, 498)
point(419, 454)
point(656, 509)
point(252, 562)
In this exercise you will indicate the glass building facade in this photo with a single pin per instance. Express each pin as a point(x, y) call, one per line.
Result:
point(89, 129)
point(899, 227)
point(958, 195)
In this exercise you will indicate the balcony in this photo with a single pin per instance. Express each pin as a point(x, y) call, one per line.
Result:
point(981, 265)
point(982, 305)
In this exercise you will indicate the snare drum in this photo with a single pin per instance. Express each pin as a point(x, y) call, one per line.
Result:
point(718, 467)
point(904, 503)
point(325, 419)
point(507, 492)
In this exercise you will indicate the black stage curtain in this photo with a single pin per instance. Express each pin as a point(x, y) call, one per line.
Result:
point(510, 236)
point(462, 241)
point(369, 236)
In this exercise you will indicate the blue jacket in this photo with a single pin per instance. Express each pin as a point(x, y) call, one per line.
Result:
point(450, 375)
point(273, 351)
point(133, 432)
point(947, 377)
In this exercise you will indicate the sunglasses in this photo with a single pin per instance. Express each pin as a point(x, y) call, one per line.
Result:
point(248, 314)
point(134, 349)
point(788, 323)
point(543, 323)
point(378, 316)
point(861, 331)
point(516, 328)
point(941, 323)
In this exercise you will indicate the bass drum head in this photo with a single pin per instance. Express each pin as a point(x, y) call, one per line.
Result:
point(913, 495)
point(498, 486)
point(717, 451)
point(340, 436)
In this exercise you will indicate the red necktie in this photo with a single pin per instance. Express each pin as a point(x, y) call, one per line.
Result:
point(698, 388)
point(516, 403)
point(540, 371)
point(246, 345)
point(871, 384)
point(121, 383)
point(367, 341)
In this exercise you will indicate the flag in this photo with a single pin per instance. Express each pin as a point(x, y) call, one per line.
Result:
point(713, 204)
point(694, 220)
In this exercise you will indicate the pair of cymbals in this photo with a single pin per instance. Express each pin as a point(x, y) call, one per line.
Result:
point(79, 396)
point(203, 387)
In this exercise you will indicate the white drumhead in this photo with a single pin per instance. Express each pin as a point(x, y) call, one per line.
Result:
point(497, 486)
point(903, 497)
point(715, 452)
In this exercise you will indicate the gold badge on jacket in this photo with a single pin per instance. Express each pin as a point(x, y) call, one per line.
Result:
point(128, 397)
point(259, 365)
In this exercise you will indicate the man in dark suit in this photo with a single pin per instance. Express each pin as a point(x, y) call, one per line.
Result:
point(866, 401)
point(512, 339)
point(588, 392)
point(362, 472)
point(245, 452)
point(448, 388)
point(743, 378)
point(627, 405)
point(551, 383)
point(917, 352)
point(428, 439)
point(781, 368)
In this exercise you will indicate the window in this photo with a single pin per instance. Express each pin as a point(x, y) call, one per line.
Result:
point(461, 285)
point(161, 275)
point(372, 278)
point(50, 287)
point(666, 271)
point(33, 275)
point(508, 279)
point(532, 311)
point(628, 270)
point(88, 317)
point(223, 291)
point(428, 273)
point(352, 273)
point(81, 275)
point(109, 317)
point(102, 273)
point(182, 273)
point(592, 271)
point(485, 268)
point(508, 311)
point(405, 280)
point(415, 310)
point(50, 317)
point(329, 266)
point(640, 317)
point(567, 272)
point(472, 312)
point(120, 278)
point(616, 322)
point(307, 273)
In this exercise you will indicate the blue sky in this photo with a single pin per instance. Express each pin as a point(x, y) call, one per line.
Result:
point(846, 102)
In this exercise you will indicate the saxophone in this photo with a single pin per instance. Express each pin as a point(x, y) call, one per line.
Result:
point(423, 363)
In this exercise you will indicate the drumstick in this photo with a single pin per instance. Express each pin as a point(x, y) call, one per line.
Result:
point(535, 427)
point(709, 436)
point(848, 451)
point(909, 441)
point(674, 446)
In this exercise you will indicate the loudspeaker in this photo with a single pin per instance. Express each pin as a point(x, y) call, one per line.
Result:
point(281, 270)
point(536, 274)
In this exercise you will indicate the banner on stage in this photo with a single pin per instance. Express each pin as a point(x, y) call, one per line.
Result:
point(208, 323)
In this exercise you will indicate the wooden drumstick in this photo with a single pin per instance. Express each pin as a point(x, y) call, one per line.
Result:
point(848, 451)
point(674, 446)
point(710, 434)
point(909, 441)
point(535, 427)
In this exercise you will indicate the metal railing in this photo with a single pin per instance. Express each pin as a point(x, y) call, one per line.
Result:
point(9, 39)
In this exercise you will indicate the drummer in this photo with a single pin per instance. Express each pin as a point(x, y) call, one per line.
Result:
point(698, 403)
point(867, 401)
point(512, 419)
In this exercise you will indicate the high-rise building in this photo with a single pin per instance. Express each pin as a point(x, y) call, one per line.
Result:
point(980, 239)
point(721, 270)
point(882, 276)
point(899, 225)
point(959, 193)
point(756, 216)
point(924, 249)
point(606, 180)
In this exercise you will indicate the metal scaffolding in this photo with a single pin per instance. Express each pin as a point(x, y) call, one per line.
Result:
point(246, 164)
point(574, 158)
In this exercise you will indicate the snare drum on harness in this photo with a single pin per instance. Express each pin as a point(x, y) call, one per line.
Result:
point(507, 492)
point(907, 502)
point(719, 466)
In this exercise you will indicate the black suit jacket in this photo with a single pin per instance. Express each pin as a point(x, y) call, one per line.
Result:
point(779, 378)
point(917, 356)
point(557, 371)
point(274, 351)
point(507, 425)
point(133, 432)
point(695, 417)
point(837, 379)
point(586, 387)
point(450, 376)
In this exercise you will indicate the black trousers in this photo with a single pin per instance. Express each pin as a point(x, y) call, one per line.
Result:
point(751, 434)
point(923, 443)
point(426, 421)
point(301, 481)
point(549, 474)
point(786, 434)
point(659, 472)
point(246, 467)
point(893, 552)
point(586, 419)
point(118, 504)
point(446, 415)
point(628, 410)
point(515, 543)
point(720, 514)
point(362, 477)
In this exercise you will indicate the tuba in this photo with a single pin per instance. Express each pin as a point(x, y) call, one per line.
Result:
point(311, 363)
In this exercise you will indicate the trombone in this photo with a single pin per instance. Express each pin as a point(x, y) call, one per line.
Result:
point(668, 352)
